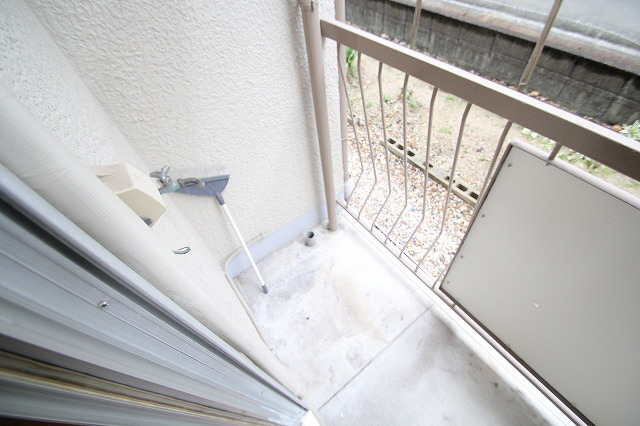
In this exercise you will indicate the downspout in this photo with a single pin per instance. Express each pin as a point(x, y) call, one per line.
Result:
point(313, 40)
point(342, 59)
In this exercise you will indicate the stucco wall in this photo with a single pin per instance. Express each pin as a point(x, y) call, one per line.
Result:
point(205, 83)
point(185, 84)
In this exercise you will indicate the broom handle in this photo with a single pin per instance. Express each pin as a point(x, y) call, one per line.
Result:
point(244, 246)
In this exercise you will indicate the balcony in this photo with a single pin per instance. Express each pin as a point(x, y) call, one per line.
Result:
point(498, 281)
point(372, 345)
point(522, 312)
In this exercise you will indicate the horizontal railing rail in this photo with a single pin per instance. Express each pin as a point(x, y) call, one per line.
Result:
point(590, 139)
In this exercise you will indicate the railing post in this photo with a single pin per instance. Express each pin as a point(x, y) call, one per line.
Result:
point(342, 58)
point(313, 40)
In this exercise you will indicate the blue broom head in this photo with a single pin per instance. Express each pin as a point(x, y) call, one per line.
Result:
point(205, 181)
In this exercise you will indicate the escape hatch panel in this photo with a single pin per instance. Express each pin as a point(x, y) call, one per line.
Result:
point(551, 268)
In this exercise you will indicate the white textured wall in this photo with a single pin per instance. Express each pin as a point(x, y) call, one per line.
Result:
point(40, 76)
point(181, 83)
point(204, 83)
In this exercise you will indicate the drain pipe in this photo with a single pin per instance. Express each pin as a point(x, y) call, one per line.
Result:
point(313, 40)
point(342, 59)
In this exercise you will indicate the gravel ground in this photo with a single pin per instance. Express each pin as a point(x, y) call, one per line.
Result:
point(480, 136)
point(459, 212)
point(377, 184)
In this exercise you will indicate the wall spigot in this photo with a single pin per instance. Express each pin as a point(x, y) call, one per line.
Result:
point(168, 185)
point(162, 175)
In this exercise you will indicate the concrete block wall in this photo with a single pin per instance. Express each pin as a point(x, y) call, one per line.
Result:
point(580, 85)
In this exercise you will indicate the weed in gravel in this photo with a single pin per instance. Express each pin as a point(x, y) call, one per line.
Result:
point(546, 143)
point(566, 154)
point(413, 102)
point(573, 157)
point(351, 62)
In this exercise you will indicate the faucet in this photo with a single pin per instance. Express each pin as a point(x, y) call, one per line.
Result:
point(168, 184)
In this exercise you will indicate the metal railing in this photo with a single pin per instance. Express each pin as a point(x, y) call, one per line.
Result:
point(571, 131)
point(390, 177)
point(590, 139)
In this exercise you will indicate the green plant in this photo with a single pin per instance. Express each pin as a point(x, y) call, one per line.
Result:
point(413, 102)
point(566, 154)
point(570, 156)
point(546, 143)
point(388, 98)
point(606, 171)
point(634, 184)
point(450, 97)
point(351, 62)
point(631, 131)
point(531, 134)
point(445, 130)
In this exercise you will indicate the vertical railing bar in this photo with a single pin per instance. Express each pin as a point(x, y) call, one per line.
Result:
point(371, 152)
point(487, 181)
point(494, 160)
point(342, 58)
point(556, 149)
point(415, 24)
point(537, 50)
point(414, 31)
point(522, 84)
point(347, 198)
point(426, 169)
point(451, 179)
point(438, 281)
point(533, 61)
point(386, 144)
point(404, 155)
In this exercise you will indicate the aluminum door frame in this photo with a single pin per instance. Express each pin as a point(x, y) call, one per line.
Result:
point(67, 301)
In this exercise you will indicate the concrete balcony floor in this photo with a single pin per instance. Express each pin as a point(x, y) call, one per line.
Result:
point(372, 346)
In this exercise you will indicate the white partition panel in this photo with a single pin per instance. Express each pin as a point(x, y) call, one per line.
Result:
point(551, 267)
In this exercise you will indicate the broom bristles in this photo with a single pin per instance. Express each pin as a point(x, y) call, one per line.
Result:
point(201, 172)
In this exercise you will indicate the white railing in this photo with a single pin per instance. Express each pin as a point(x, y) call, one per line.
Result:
point(592, 140)
point(599, 143)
